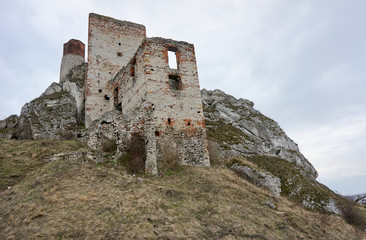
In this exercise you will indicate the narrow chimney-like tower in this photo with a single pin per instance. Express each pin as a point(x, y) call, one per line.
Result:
point(74, 55)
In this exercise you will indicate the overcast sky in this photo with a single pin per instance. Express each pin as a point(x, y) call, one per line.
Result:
point(302, 62)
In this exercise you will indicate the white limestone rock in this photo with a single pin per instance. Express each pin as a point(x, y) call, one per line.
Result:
point(359, 198)
point(51, 116)
point(259, 178)
point(56, 114)
point(7, 126)
point(329, 205)
point(254, 132)
point(73, 83)
point(53, 88)
point(9, 122)
point(70, 156)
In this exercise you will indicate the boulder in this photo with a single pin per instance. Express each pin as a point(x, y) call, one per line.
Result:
point(7, 126)
point(359, 198)
point(51, 116)
point(53, 88)
point(259, 178)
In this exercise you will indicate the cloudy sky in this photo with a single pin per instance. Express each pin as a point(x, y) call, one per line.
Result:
point(302, 62)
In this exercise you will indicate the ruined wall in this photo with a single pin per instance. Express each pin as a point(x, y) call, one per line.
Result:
point(130, 94)
point(130, 85)
point(111, 44)
point(164, 103)
point(174, 95)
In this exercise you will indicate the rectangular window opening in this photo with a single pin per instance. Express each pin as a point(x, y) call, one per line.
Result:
point(117, 106)
point(172, 58)
point(174, 82)
point(132, 69)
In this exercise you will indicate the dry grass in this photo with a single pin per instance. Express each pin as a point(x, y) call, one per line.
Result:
point(18, 158)
point(215, 159)
point(169, 162)
point(353, 214)
point(80, 200)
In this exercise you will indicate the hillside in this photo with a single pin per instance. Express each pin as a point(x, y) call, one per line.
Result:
point(75, 198)
point(259, 185)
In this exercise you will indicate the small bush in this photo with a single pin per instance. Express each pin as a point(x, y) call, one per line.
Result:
point(134, 157)
point(170, 157)
point(108, 145)
point(66, 135)
point(213, 152)
point(352, 214)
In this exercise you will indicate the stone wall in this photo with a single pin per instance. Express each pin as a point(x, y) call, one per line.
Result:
point(175, 98)
point(163, 103)
point(111, 44)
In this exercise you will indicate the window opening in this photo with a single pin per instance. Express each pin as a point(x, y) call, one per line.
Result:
point(132, 71)
point(175, 82)
point(132, 68)
point(100, 90)
point(157, 133)
point(169, 121)
point(172, 58)
point(117, 106)
point(106, 97)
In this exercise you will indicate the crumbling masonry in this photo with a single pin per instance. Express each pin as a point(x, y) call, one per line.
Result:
point(132, 87)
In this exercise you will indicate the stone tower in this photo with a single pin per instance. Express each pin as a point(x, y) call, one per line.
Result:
point(74, 55)
point(111, 45)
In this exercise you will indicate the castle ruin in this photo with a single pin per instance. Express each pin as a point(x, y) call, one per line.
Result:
point(136, 84)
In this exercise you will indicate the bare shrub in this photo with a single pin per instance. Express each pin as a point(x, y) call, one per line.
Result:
point(134, 157)
point(170, 157)
point(66, 135)
point(108, 145)
point(213, 152)
point(352, 214)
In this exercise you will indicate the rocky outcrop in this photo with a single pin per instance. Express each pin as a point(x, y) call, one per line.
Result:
point(50, 116)
point(7, 126)
point(261, 151)
point(57, 114)
point(259, 178)
point(74, 84)
point(241, 129)
point(359, 198)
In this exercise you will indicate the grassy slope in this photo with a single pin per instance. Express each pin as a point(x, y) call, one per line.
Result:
point(78, 199)
point(17, 158)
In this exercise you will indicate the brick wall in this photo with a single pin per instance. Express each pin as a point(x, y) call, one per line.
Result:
point(111, 44)
point(170, 115)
